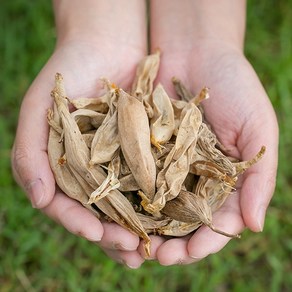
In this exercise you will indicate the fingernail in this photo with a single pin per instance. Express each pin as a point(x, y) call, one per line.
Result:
point(36, 192)
point(119, 246)
point(261, 218)
point(132, 267)
point(196, 258)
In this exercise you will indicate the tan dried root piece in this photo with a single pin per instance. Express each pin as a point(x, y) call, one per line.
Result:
point(143, 159)
point(114, 205)
point(145, 75)
point(192, 208)
point(182, 92)
point(134, 136)
point(176, 165)
point(162, 124)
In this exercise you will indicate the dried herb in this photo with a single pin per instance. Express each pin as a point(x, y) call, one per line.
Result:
point(143, 159)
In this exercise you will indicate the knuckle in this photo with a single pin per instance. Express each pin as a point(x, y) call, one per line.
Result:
point(19, 158)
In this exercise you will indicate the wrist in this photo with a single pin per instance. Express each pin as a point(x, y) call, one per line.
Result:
point(123, 22)
point(187, 23)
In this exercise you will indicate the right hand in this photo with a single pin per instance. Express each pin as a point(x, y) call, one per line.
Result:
point(81, 64)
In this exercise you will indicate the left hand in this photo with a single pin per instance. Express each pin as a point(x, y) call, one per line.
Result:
point(243, 119)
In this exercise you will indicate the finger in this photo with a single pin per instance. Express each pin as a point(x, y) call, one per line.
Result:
point(74, 217)
point(29, 154)
point(257, 190)
point(228, 219)
point(174, 252)
point(259, 181)
point(116, 237)
point(156, 242)
point(131, 259)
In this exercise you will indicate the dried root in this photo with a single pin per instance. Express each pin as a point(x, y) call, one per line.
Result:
point(142, 159)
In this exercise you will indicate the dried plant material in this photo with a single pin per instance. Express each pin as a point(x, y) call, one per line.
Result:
point(145, 75)
point(135, 142)
point(162, 124)
point(192, 208)
point(153, 225)
point(160, 155)
point(95, 104)
point(211, 170)
point(87, 120)
point(244, 165)
point(215, 191)
point(178, 228)
point(88, 137)
point(64, 178)
point(106, 140)
point(58, 164)
point(176, 166)
point(186, 95)
point(124, 168)
point(178, 106)
point(115, 205)
point(191, 120)
point(143, 84)
point(204, 94)
point(207, 150)
point(146, 161)
point(181, 90)
point(128, 183)
point(109, 184)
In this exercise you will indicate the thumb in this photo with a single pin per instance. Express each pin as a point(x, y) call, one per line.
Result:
point(30, 163)
point(259, 181)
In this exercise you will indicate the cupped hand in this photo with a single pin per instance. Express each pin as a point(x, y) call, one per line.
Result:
point(82, 64)
point(243, 119)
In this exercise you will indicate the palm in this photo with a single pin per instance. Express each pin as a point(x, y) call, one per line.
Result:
point(241, 115)
point(82, 65)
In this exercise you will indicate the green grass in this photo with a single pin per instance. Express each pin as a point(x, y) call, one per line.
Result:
point(38, 255)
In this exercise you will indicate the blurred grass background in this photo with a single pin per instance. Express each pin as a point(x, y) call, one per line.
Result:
point(38, 255)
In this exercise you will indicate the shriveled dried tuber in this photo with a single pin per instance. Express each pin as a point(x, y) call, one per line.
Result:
point(145, 160)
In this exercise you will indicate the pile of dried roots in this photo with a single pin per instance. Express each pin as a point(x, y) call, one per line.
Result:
point(141, 159)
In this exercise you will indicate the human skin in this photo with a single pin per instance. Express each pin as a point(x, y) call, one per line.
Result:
point(202, 44)
point(94, 39)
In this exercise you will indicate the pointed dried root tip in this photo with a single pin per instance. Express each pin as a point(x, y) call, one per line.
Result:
point(244, 165)
point(145, 201)
point(147, 248)
point(222, 232)
point(204, 94)
point(258, 156)
point(62, 160)
point(91, 164)
point(147, 206)
point(52, 123)
point(174, 79)
point(157, 51)
point(58, 77)
point(110, 85)
point(155, 143)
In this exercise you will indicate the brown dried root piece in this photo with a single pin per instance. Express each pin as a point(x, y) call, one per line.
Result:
point(87, 120)
point(134, 134)
point(114, 204)
point(142, 159)
point(244, 165)
point(176, 165)
point(145, 75)
point(63, 175)
point(192, 208)
point(162, 124)
point(186, 95)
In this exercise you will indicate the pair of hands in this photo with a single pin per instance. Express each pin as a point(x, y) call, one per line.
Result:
point(238, 110)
